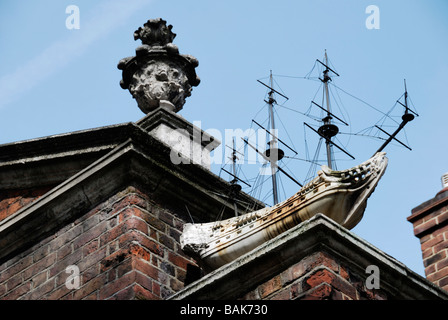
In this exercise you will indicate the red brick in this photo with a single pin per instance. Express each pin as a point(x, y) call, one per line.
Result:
point(321, 292)
point(433, 277)
point(441, 246)
point(61, 265)
point(443, 283)
point(434, 258)
point(64, 251)
point(284, 294)
point(142, 293)
point(60, 292)
point(40, 292)
point(86, 289)
point(20, 265)
point(430, 269)
point(39, 279)
point(2, 290)
point(19, 291)
point(144, 281)
point(150, 270)
point(442, 217)
point(431, 242)
point(129, 201)
point(114, 259)
point(176, 285)
point(178, 260)
point(427, 253)
point(124, 267)
point(166, 217)
point(90, 273)
point(14, 281)
point(92, 259)
point(113, 287)
point(442, 264)
point(123, 228)
point(12, 208)
point(425, 226)
point(65, 237)
point(90, 247)
point(124, 294)
point(326, 276)
point(143, 240)
point(89, 235)
point(39, 266)
point(270, 286)
point(140, 252)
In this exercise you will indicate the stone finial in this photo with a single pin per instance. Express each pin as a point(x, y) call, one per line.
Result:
point(158, 75)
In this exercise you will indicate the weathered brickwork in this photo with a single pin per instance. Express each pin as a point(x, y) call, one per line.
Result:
point(430, 221)
point(318, 276)
point(13, 200)
point(125, 248)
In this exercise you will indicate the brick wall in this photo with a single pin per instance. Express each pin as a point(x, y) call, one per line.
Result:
point(319, 276)
point(430, 222)
point(124, 248)
point(13, 200)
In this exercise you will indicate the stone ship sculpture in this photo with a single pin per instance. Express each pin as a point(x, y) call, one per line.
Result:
point(340, 195)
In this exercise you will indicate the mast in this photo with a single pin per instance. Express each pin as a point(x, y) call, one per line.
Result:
point(235, 188)
point(273, 153)
point(406, 117)
point(327, 130)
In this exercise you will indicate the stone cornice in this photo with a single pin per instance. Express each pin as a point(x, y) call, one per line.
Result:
point(138, 159)
point(231, 281)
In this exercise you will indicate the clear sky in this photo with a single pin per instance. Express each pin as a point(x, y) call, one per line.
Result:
point(56, 80)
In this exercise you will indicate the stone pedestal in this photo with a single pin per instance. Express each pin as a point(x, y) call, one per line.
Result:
point(189, 144)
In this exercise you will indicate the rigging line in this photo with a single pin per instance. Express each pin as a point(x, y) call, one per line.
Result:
point(388, 116)
point(284, 128)
point(338, 105)
point(362, 135)
point(368, 104)
point(219, 217)
point(347, 113)
point(259, 182)
point(278, 86)
point(315, 94)
point(412, 103)
point(312, 168)
point(261, 109)
point(186, 207)
point(304, 114)
point(282, 185)
point(301, 159)
point(307, 153)
point(287, 76)
point(285, 165)
point(309, 73)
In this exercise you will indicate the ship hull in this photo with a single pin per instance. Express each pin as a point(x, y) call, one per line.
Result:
point(340, 195)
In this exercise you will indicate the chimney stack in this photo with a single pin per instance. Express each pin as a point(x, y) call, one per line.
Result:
point(430, 221)
point(445, 181)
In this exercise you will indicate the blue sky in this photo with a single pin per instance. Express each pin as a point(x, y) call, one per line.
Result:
point(55, 80)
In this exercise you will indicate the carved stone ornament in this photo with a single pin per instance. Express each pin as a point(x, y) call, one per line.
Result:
point(158, 76)
point(340, 195)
